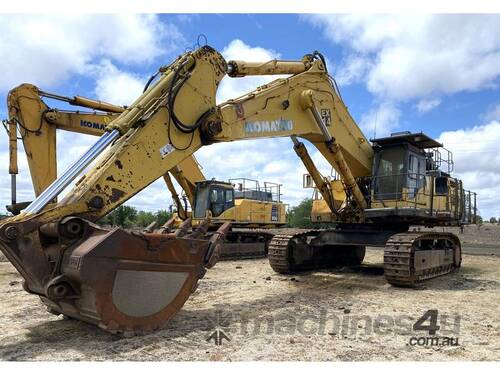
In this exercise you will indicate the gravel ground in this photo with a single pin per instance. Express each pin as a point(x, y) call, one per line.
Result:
point(256, 314)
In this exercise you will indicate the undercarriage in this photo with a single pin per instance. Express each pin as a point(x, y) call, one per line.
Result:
point(410, 257)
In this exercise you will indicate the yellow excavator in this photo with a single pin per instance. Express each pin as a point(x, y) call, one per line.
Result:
point(258, 207)
point(37, 124)
point(133, 282)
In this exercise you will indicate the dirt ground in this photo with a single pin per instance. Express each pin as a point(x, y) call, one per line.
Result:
point(256, 314)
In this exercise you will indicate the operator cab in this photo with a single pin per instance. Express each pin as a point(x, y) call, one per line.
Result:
point(214, 196)
point(401, 163)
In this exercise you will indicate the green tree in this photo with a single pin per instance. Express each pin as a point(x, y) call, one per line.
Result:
point(300, 216)
point(162, 216)
point(128, 217)
point(493, 220)
point(106, 220)
point(144, 218)
point(123, 216)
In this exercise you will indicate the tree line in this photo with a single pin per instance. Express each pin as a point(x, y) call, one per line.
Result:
point(128, 217)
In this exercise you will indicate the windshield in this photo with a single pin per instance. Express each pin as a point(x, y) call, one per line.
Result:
point(390, 173)
point(391, 162)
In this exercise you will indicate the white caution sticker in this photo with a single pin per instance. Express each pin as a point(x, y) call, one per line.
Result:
point(165, 150)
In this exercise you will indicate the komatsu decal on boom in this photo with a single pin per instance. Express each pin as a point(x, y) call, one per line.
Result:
point(133, 282)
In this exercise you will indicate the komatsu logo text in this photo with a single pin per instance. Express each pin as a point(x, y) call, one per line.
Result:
point(268, 126)
point(94, 125)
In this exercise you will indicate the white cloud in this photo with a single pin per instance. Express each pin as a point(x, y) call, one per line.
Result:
point(426, 105)
point(352, 69)
point(380, 121)
point(188, 18)
point(238, 50)
point(477, 162)
point(413, 56)
point(493, 113)
point(116, 86)
point(48, 49)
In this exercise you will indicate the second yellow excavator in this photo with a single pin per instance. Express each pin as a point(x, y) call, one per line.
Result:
point(133, 282)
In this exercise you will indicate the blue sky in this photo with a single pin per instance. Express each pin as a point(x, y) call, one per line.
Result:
point(433, 73)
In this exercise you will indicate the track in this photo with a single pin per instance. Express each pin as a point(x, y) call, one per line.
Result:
point(413, 257)
point(279, 257)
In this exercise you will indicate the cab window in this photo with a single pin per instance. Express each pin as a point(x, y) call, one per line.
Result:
point(229, 196)
point(441, 186)
point(390, 173)
point(221, 199)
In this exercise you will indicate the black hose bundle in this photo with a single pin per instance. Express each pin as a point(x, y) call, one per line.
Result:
point(174, 88)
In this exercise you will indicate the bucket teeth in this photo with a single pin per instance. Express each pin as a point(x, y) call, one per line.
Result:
point(151, 227)
point(201, 229)
point(183, 228)
point(215, 247)
point(167, 227)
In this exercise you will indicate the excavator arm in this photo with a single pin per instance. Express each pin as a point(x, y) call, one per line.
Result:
point(283, 108)
point(151, 136)
point(36, 123)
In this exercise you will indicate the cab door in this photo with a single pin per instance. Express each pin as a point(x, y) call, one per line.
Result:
point(416, 174)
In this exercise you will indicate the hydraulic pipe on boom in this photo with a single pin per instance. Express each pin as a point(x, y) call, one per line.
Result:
point(84, 102)
point(243, 68)
point(13, 168)
point(71, 173)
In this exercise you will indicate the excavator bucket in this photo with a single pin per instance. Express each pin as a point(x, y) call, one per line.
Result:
point(125, 282)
